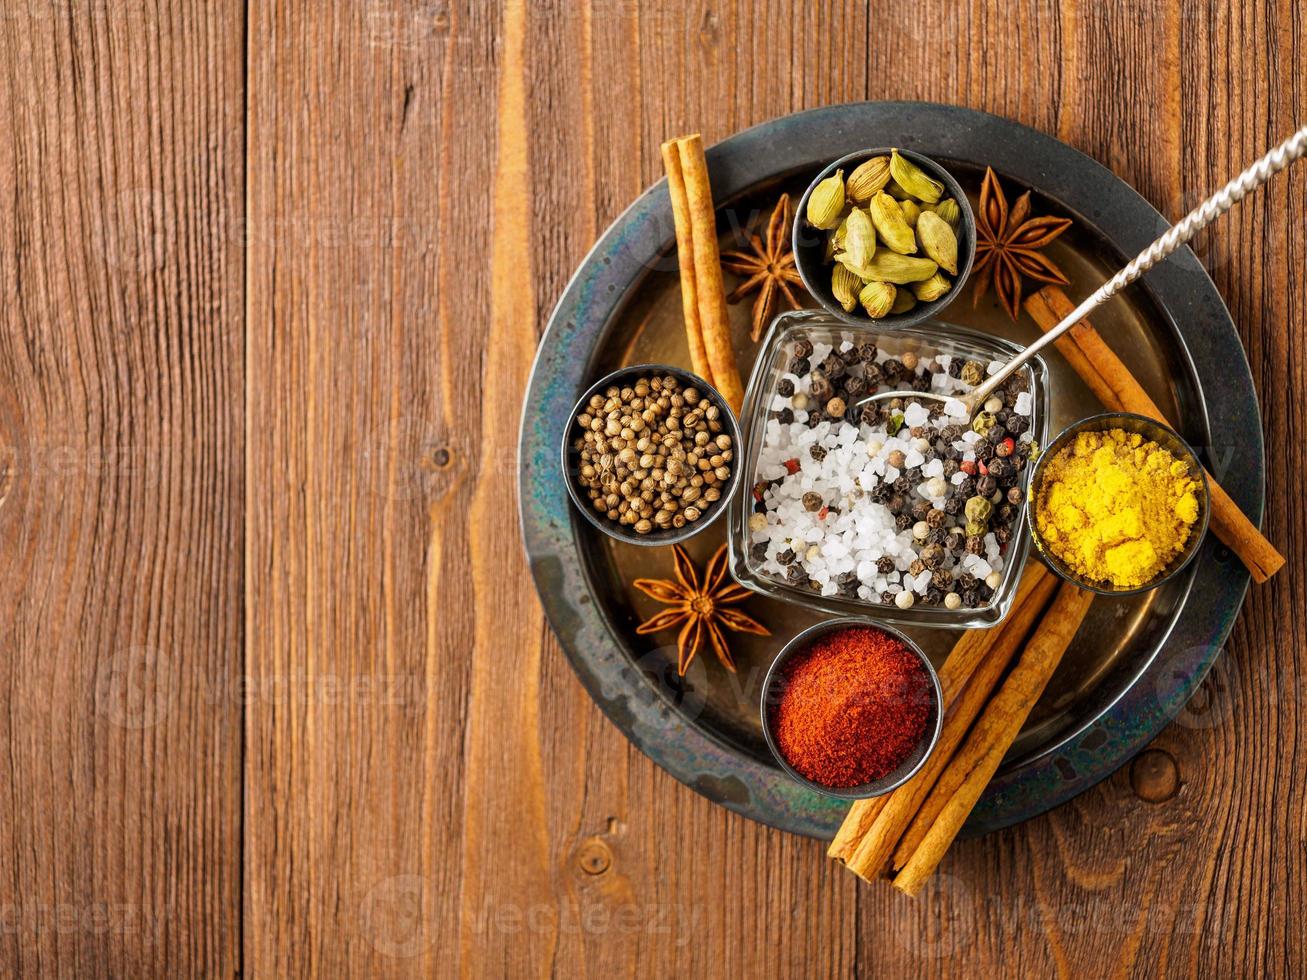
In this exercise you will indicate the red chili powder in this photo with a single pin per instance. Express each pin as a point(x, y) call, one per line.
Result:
point(851, 707)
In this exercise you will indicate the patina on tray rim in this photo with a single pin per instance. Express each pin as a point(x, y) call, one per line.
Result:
point(1103, 204)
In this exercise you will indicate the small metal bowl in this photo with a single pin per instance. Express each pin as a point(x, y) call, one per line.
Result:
point(810, 245)
point(771, 691)
point(1154, 431)
point(570, 457)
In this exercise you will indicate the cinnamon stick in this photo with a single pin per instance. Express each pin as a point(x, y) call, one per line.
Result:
point(1119, 391)
point(685, 260)
point(968, 653)
point(873, 852)
point(714, 321)
point(973, 766)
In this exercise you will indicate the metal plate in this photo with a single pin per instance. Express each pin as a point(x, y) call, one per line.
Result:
point(1136, 661)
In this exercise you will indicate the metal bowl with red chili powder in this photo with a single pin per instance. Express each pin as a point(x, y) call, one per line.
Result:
point(851, 708)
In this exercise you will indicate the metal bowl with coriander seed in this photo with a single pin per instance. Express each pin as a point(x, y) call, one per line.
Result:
point(884, 237)
point(649, 454)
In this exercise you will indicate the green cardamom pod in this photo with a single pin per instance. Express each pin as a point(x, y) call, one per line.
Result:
point(888, 266)
point(859, 237)
point(949, 210)
point(845, 285)
point(887, 216)
point(911, 211)
point(870, 177)
point(938, 241)
point(877, 298)
point(932, 289)
point(896, 192)
point(914, 180)
point(903, 301)
point(826, 202)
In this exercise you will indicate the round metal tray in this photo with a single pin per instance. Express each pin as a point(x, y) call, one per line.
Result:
point(1135, 662)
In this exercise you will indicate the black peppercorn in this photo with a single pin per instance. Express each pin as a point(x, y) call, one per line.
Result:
point(1017, 424)
point(1001, 469)
point(896, 503)
point(967, 488)
point(812, 501)
point(817, 452)
point(934, 596)
point(851, 356)
point(796, 574)
point(986, 486)
point(785, 556)
point(935, 517)
point(984, 451)
point(884, 564)
point(800, 366)
point(892, 369)
point(921, 383)
point(785, 416)
point(815, 417)
point(932, 556)
point(903, 521)
point(1015, 495)
point(902, 484)
point(833, 366)
point(917, 567)
point(954, 503)
point(785, 387)
point(967, 581)
point(950, 467)
point(802, 348)
point(996, 434)
point(855, 387)
point(759, 551)
point(1003, 534)
point(975, 545)
point(867, 353)
point(951, 433)
point(872, 373)
point(921, 509)
point(887, 598)
point(955, 368)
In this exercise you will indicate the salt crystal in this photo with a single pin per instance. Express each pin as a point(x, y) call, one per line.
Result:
point(944, 360)
point(1023, 404)
point(958, 477)
point(934, 468)
point(994, 367)
point(915, 414)
point(954, 408)
point(913, 458)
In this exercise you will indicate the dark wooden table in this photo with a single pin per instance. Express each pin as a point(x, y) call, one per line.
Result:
point(277, 695)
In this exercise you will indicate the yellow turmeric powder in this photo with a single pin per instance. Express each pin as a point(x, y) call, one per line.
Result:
point(1116, 508)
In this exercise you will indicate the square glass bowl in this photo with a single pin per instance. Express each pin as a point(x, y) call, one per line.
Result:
point(926, 340)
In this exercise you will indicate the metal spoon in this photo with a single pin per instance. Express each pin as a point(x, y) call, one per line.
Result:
point(1195, 221)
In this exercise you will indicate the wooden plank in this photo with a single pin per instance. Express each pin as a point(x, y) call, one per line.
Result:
point(380, 448)
point(121, 421)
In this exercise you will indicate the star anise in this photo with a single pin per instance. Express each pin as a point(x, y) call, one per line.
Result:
point(1008, 246)
point(768, 268)
point(700, 606)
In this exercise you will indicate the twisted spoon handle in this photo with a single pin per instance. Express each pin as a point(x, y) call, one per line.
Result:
point(1195, 221)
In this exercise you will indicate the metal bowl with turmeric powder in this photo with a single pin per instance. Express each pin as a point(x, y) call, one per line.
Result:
point(1118, 504)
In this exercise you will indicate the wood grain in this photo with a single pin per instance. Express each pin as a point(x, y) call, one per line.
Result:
point(121, 520)
point(277, 683)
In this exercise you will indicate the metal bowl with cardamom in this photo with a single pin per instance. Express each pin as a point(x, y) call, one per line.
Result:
point(814, 250)
point(676, 490)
